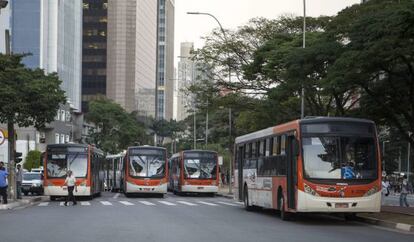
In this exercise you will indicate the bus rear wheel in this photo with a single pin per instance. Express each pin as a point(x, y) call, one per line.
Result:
point(246, 200)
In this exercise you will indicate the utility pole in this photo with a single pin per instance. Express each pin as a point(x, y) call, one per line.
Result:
point(11, 140)
point(207, 125)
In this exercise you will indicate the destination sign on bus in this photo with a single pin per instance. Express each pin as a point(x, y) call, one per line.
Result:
point(360, 128)
point(199, 155)
point(144, 151)
point(67, 149)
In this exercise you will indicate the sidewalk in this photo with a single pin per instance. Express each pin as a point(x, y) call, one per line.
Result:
point(22, 202)
point(224, 192)
point(401, 218)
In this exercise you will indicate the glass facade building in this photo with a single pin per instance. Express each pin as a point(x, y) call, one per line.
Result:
point(94, 50)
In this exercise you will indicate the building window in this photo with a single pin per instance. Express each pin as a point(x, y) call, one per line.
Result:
point(67, 138)
point(62, 138)
point(57, 115)
point(57, 138)
point(62, 115)
point(68, 118)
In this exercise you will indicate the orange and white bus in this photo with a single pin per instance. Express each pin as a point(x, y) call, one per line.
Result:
point(318, 164)
point(145, 170)
point(194, 171)
point(86, 163)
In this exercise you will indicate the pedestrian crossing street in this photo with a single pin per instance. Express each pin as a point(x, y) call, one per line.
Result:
point(175, 203)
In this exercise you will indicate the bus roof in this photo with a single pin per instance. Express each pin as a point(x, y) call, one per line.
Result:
point(286, 126)
point(146, 147)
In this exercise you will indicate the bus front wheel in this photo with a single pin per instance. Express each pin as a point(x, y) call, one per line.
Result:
point(247, 206)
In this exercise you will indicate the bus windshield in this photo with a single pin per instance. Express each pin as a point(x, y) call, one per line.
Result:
point(147, 163)
point(339, 157)
point(200, 168)
point(59, 164)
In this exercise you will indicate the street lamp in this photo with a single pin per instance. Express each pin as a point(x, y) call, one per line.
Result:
point(226, 40)
point(302, 98)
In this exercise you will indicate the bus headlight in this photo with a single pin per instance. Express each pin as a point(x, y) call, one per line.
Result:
point(310, 190)
point(83, 183)
point(371, 191)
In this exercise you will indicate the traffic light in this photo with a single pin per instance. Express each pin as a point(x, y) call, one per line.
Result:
point(17, 157)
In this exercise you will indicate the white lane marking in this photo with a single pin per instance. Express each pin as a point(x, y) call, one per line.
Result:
point(207, 203)
point(85, 203)
point(229, 204)
point(62, 204)
point(187, 203)
point(116, 196)
point(106, 203)
point(167, 203)
point(147, 203)
point(126, 203)
point(43, 204)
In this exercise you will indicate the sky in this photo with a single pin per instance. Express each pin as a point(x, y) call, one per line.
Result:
point(234, 13)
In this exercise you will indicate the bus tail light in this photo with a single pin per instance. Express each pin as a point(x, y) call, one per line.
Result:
point(310, 190)
point(371, 191)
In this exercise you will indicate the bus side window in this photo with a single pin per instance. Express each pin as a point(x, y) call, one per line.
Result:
point(276, 145)
point(283, 145)
point(254, 149)
point(262, 148)
point(270, 145)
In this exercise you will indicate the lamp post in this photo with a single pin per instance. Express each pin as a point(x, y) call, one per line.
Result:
point(226, 40)
point(302, 97)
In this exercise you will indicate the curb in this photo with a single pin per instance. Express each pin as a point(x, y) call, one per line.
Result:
point(387, 224)
point(224, 195)
point(21, 203)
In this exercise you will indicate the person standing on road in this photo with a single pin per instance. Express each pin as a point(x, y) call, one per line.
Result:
point(19, 179)
point(405, 189)
point(70, 182)
point(3, 182)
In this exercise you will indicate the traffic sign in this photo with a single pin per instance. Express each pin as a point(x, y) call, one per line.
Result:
point(2, 136)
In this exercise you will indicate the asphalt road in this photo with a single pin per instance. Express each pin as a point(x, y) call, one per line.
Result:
point(194, 219)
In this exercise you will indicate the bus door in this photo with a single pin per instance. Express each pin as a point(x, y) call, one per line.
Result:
point(291, 170)
point(240, 154)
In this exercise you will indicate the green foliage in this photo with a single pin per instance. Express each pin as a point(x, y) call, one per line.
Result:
point(116, 129)
point(32, 160)
point(28, 97)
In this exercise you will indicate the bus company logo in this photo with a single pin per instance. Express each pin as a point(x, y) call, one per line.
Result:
point(342, 192)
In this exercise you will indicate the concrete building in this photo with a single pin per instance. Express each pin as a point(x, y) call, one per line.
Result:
point(165, 63)
point(132, 48)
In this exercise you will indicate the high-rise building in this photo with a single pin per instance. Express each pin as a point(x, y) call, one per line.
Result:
point(185, 76)
point(165, 60)
point(132, 48)
point(94, 50)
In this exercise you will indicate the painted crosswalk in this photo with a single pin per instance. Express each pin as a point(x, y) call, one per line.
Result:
point(187, 203)
point(168, 202)
point(126, 203)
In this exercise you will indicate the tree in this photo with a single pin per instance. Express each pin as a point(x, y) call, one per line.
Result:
point(115, 128)
point(28, 97)
point(32, 160)
point(378, 59)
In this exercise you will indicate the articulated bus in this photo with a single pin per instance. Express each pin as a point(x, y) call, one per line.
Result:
point(145, 170)
point(318, 164)
point(194, 171)
point(113, 169)
point(86, 163)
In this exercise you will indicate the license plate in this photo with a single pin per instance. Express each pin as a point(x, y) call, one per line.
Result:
point(200, 188)
point(341, 205)
point(147, 189)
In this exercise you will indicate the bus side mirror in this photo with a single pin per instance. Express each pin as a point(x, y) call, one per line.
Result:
point(295, 147)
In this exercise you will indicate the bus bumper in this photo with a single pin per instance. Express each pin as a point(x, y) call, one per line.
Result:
point(199, 189)
point(63, 191)
point(133, 188)
point(310, 203)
